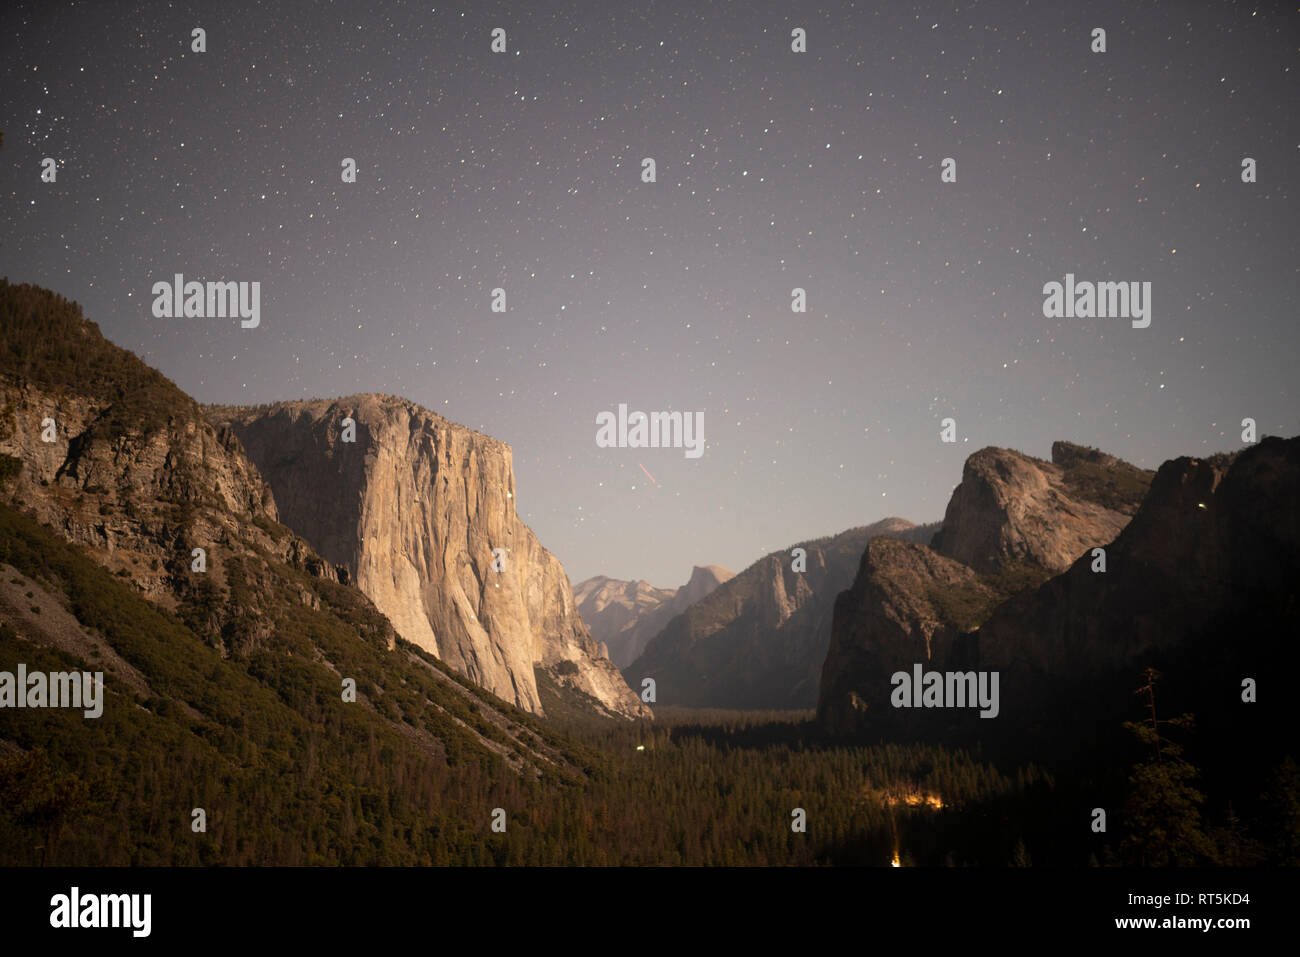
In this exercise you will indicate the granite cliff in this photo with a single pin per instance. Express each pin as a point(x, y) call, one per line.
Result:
point(1011, 508)
point(1210, 544)
point(1216, 544)
point(421, 513)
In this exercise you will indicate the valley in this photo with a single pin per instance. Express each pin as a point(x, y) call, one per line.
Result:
point(374, 661)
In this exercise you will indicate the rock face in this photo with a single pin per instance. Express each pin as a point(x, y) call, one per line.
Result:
point(1216, 541)
point(704, 580)
point(133, 470)
point(421, 512)
point(626, 615)
point(900, 610)
point(1011, 508)
point(1200, 586)
point(241, 673)
point(1212, 551)
point(759, 640)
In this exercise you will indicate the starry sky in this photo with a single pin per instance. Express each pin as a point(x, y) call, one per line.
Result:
point(775, 170)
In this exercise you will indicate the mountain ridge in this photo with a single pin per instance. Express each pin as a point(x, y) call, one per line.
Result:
point(625, 615)
point(758, 641)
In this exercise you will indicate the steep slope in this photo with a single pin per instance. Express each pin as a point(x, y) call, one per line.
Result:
point(115, 457)
point(223, 688)
point(421, 512)
point(759, 640)
point(1214, 544)
point(624, 616)
point(285, 769)
point(907, 604)
point(1011, 508)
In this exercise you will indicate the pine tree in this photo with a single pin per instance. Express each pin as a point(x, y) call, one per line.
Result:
point(1236, 849)
point(1162, 814)
point(1283, 802)
point(1020, 857)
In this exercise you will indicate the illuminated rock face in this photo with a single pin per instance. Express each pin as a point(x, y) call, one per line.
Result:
point(421, 511)
point(1013, 508)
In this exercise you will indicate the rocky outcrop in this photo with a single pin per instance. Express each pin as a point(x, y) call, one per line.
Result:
point(704, 580)
point(1213, 547)
point(1013, 509)
point(113, 456)
point(907, 605)
point(1216, 539)
point(421, 512)
point(1012, 522)
point(759, 640)
point(136, 472)
point(115, 459)
point(626, 615)
point(1199, 586)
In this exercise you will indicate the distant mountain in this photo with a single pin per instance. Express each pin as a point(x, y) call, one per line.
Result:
point(758, 641)
point(625, 615)
point(704, 580)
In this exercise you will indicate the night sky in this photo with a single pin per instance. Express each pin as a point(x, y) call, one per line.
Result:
point(775, 170)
